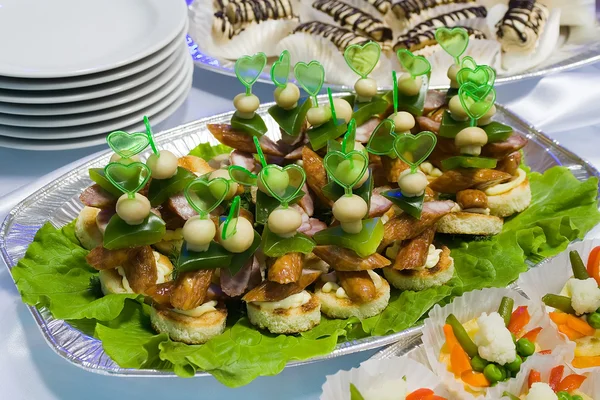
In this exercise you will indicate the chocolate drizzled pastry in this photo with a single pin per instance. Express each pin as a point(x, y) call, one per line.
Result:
point(427, 38)
point(383, 6)
point(405, 9)
point(448, 19)
point(352, 17)
point(340, 37)
point(240, 13)
point(522, 25)
point(222, 28)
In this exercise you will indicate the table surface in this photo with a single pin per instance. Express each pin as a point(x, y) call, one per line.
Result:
point(561, 105)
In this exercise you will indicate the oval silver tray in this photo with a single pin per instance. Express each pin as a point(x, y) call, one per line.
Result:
point(566, 57)
point(58, 202)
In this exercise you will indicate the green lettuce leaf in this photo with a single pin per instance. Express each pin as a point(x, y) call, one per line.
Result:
point(208, 151)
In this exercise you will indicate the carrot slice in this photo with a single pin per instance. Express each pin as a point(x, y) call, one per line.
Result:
point(571, 333)
point(450, 338)
point(519, 319)
point(558, 318)
point(556, 375)
point(580, 325)
point(570, 383)
point(476, 379)
point(593, 264)
point(586, 362)
point(534, 376)
point(459, 361)
point(533, 334)
point(420, 394)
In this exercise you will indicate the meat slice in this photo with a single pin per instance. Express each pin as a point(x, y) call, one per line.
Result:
point(316, 176)
point(499, 150)
point(403, 227)
point(379, 205)
point(455, 180)
point(358, 285)
point(342, 259)
point(242, 159)
point(312, 226)
point(433, 101)
point(295, 154)
point(140, 269)
point(510, 163)
point(103, 218)
point(273, 291)
point(393, 167)
point(413, 253)
point(100, 258)
point(306, 202)
point(242, 141)
point(246, 279)
point(189, 290)
point(285, 269)
point(428, 124)
point(364, 132)
point(161, 293)
point(95, 196)
point(471, 198)
point(178, 206)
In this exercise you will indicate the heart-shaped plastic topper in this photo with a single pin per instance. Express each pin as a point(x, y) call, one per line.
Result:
point(249, 68)
point(476, 100)
point(414, 149)
point(454, 41)
point(363, 58)
point(470, 64)
point(283, 183)
point(242, 176)
point(229, 227)
point(128, 178)
point(350, 137)
point(280, 70)
point(381, 141)
point(206, 195)
point(127, 144)
point(346, 169)
point(415, 65)
point(310, 76)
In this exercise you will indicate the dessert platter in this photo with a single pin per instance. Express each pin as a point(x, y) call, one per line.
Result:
point(298, 230)
point(520, 39)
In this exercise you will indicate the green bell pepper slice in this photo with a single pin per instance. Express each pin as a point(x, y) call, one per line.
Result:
point(291, 121)
point(214, 257)
point(97, 175)
point(161, 189)
point(413, 206)
point(276, 246)
point(320, 135)
point(254, 126)
point(412, 104)
point(363, 111)
point(495, 131)
point(468, 162)
point(363, 243)
point(120, 235)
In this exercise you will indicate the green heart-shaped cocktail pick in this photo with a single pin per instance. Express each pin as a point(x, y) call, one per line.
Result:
point(414, 65)
point(248, 69)
point(126, 144)
point(363, 58)
point(242, 176)
point(454, 41)
point(229, 227)
point(381, 142)
point(311, 77)
point(280, 70)
point(346, 169)
point(332, 106)
point(150, 136)
point(349, 137)
point(471, 72)
point(283, 183)
point(205, 195)
point(414, 149)
point(476, 100)
point(128, 178)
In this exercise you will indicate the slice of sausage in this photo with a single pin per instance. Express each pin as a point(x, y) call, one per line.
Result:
point(241, 141)
point(471, 198)
point(95, 196)
point(342, 259)
point(285, 269)
point(510, 163)
point(316, 176)
point(413, 254)
point(189, 290)
point(455, 180)
point(273, 291)
point(358, 285)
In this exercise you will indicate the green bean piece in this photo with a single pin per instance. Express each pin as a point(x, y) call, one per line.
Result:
point(493, 373)
point(562, 303)
point(579, 269)
point(594, 320)
point(564, 396)
point(576, 397)
point(462, 336)
point(515, 366)
point(525, 347)
point(505, 309)
point(510, 396)
point(478, 364)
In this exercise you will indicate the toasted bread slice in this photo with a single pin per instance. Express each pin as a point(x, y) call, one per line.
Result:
point(421, 279)
point(286, 320)
point(112, 282)
point(467, 223)
point(86, 228)
point(513, 201)
point(188, 329)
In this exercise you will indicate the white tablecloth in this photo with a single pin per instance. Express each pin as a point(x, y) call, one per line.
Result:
point(566, 106)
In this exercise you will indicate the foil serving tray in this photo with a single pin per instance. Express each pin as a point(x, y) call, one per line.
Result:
point(58, 202)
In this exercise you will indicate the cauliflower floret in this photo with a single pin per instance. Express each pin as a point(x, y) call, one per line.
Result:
point(386, 390)
point(541, 391)
point(493, 340)
point(585, 295)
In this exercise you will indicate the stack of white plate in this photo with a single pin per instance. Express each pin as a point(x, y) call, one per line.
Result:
point(72, 71)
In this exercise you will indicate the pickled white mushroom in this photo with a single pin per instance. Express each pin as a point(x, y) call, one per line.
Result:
point(410, 86)
point(117, 158)
point(223, 173)
point(457, 111)
point(350, 210)
point(403, 121)
point(284, 221)
point(287, 97)
point(452, 71)
point(470, 140)
point(246, 105)
point(133, 211)
point(365, 89)
point(198, 233)
point(163, 166)
point(343, 109)
point(487, 117)
point(241, 240)
point(318, 115)
point(412, 184)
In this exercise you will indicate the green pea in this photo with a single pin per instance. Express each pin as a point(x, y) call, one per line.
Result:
point(348, 171)
point(515, 366)
point(594, 320)
point(564, 396)
point(478, 364)
point(505, 373)
point(493, 373)
point(525, 348)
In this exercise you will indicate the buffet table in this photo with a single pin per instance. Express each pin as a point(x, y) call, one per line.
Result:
point(565, 106)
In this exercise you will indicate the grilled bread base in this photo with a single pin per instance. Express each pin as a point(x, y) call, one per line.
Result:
point(513, 201)
point(412, 279)
point(286, 320)
point(467, 223)
point(111, 282)
point(187, 329)
point(86, 228)
point(334, 307)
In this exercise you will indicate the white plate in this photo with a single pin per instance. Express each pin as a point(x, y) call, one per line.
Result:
point(94, 79)
point(48, 122)
point(53, 97)
point(62, 38)
point(99, 128)
point(162, 72)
